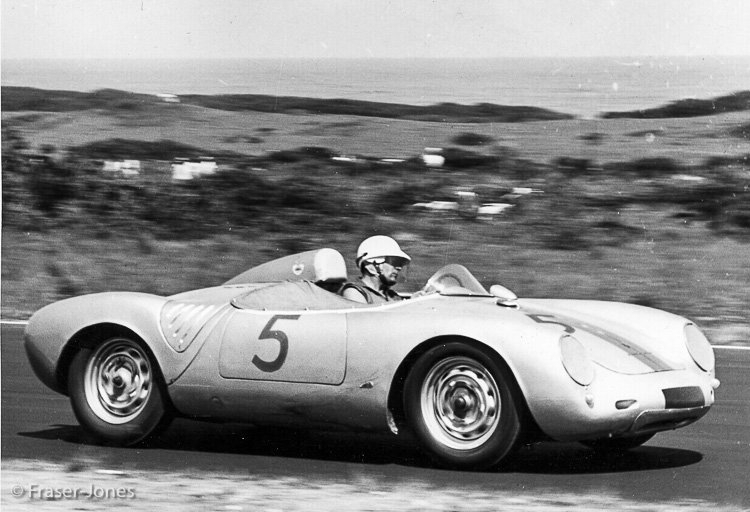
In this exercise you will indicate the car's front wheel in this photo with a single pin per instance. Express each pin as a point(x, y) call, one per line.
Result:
point(117, 392)
point(462, 407)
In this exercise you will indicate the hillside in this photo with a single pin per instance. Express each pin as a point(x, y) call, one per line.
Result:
point(691, 107)
point(15, 99)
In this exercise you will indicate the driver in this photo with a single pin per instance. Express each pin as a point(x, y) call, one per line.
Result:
point(380, 260)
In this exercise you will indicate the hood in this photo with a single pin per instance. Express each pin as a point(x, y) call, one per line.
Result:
point(623, 338)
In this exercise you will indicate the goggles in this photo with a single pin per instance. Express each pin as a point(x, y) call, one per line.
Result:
point(394, 261)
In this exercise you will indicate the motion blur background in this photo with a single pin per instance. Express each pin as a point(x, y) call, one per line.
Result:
point(626, 178)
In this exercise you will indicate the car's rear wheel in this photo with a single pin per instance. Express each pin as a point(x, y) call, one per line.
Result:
point(117, 392)
point(617, 444)
point(462, 407)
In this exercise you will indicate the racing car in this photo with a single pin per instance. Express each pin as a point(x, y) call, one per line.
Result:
point(470, 374)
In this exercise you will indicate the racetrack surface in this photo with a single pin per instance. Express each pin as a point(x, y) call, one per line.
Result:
point(704, 463)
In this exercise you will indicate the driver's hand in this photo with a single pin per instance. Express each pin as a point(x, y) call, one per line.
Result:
point(424, 291)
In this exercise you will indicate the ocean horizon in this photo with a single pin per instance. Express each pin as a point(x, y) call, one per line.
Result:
point(580, 86)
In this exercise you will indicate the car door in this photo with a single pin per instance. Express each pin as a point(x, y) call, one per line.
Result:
point(293, 346)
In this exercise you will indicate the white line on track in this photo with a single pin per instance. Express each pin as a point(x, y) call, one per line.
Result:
point(722, 347)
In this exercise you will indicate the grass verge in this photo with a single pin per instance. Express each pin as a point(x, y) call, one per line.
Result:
point(26, 483)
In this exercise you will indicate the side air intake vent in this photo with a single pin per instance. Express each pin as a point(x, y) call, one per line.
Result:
point(183, 322)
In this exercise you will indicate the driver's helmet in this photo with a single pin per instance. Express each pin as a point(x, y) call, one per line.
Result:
point(381, 249)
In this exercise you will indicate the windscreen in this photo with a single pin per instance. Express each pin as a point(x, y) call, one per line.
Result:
point(454, 280)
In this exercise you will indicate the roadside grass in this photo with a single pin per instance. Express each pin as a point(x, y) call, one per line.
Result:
point(95, 487)
point(662, 262)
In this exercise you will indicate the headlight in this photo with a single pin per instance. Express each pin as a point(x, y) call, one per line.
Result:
point(699, 348)
point(576, 360)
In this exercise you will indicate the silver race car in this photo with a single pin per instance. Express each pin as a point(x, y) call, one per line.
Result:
point(471, 374)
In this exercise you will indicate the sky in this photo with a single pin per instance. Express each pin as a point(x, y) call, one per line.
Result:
point(137, 29)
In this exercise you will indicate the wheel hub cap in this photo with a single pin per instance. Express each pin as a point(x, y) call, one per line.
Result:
point(461, 403)
point(118, 380)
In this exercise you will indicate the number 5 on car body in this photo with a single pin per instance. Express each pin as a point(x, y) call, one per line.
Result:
point(268, 334)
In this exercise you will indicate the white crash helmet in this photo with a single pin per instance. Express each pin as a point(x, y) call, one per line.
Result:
point(377, 249)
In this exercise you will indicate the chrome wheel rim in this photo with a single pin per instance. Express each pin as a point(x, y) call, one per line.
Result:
point(118, 380)
point(460, 403)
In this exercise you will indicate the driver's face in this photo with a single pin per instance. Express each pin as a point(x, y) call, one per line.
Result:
point(389, 273)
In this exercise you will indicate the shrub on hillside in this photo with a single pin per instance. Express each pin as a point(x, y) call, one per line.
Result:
point(300, 154)
point(646, 167)
point(458, 158)
point(304, 193)
point(471, 139)
point(715, 162)
point(573, 165)
point(742, 131)
point(51, 184)
point(400, 195)
point(127, 149)
point(593, 138)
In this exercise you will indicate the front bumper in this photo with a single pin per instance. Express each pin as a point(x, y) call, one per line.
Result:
point(651, 422)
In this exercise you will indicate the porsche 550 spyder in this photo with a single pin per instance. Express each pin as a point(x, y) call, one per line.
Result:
point(470, 374)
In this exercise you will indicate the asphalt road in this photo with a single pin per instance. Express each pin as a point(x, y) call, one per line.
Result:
point(709, 460)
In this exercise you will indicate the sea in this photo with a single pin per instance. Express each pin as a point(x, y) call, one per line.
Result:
point(583, 87)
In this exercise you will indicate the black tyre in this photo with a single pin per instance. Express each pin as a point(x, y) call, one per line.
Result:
point(463, 407)
point(617, 444)
point(117, 392)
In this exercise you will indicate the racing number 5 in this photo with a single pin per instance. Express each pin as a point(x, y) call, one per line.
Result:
point(550, 319)
point(269, 334)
